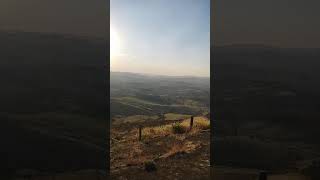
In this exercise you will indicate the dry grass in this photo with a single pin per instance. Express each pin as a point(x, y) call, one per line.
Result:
point(133, 119)
point(181, 148)
point(199, 124)
point(160, 144)
point(202, 123)
point(173, 116)
point(162, 130)
point(178, 128)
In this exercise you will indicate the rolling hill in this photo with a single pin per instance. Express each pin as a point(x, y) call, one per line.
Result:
point(137, 94)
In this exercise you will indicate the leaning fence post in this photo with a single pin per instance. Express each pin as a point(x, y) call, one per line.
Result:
point(140, 132)
point(191, 122)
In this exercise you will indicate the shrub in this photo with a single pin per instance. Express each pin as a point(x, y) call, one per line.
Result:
point(177, 128)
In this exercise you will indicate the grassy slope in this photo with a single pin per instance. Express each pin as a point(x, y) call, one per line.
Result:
point(132, 106)
point(176, 155)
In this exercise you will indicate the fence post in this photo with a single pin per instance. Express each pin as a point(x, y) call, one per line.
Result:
point(191, 122)
point(140, 132)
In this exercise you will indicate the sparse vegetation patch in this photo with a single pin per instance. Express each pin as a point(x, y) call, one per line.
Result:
point(200, 124)
point(178, 128)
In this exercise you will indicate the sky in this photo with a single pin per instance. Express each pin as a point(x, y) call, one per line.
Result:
point(281, 23)
point(165, 37)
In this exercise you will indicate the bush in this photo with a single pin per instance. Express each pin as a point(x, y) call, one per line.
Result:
point(150, 166)
point(177, 128)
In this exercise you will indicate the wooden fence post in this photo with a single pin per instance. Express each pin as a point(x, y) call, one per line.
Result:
point(140, 132)
point(191, 122)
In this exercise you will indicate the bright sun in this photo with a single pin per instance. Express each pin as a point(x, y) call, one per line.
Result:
point(114, 43)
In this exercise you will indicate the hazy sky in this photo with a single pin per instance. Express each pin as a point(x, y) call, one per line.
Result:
point(168, 37)
point(284, 23)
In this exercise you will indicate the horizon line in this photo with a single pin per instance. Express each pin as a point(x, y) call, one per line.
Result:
point(152, 74)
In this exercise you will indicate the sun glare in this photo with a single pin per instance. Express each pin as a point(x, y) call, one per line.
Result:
point(114, 43)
